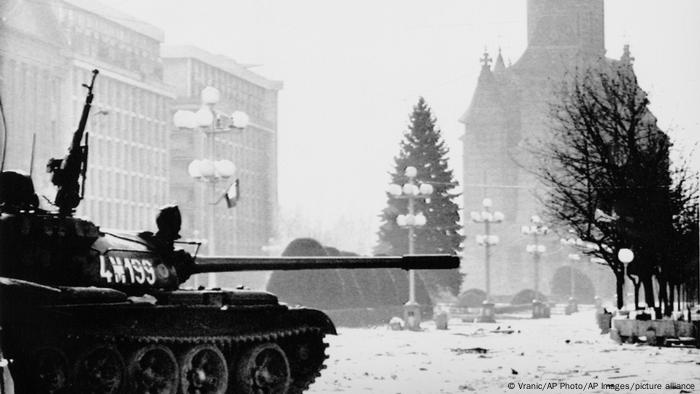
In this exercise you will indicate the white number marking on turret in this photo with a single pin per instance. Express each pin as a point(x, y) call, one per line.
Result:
point(118, 269)
point(150, 272)
point(140, 276)
point(127, 270)
point(104, 272)
point(128, 266)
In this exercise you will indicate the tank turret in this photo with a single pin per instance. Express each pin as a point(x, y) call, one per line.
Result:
point(84, 310)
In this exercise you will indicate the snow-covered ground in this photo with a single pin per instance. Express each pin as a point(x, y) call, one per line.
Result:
point(551, 353)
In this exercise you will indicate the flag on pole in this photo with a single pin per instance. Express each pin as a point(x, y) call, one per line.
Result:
point(232, 194)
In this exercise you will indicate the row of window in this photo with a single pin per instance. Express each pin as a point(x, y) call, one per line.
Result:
point(88, 45)
point(126, 186)
point(128, 155)
point(121, 215)
point(104, 29)
point(235, 236)
point(244, 95)
point(123, 98)
point(31, 101)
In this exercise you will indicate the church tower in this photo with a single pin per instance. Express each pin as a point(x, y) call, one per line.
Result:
point(566, 23)
point(507, 111)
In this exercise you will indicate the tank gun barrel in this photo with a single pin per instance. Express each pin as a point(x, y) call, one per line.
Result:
point(408, 262)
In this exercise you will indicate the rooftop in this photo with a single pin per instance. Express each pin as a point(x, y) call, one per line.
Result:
point(219, 61)
point(119, 17)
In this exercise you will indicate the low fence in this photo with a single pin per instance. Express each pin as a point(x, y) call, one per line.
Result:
point(468, 314)
point(656, 332)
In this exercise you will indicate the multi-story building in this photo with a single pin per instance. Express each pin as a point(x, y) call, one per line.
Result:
point(246, 228)
point(48, 49)
point(507, 113)
point(129, 123)
point(33, 66)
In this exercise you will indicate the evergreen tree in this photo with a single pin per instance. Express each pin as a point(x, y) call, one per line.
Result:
point(424, 149)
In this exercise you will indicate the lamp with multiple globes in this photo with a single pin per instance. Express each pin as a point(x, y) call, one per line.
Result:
point(487, 217)
point(207, 118)
point(577, 244)
point(487, 240)
point(210, 170)
point(411, 191)
point(573, 259)
point(536, 229)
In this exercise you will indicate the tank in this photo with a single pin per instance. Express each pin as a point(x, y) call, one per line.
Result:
point(84, 310)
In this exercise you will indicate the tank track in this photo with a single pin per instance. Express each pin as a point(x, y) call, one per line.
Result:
point(221, 340)
point(305, 366)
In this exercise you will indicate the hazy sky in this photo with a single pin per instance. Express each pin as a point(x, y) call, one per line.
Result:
point(352, 71)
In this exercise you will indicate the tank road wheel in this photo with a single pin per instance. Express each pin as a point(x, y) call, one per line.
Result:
point(263, 368)
point(99, 370)
point(203, 370)
point(48, 372)
point(306, 357)
point(153, 370)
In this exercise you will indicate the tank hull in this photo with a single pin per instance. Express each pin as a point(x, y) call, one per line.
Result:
point(58, 343)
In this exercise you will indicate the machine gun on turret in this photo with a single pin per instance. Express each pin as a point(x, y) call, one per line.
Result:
point(68, 171)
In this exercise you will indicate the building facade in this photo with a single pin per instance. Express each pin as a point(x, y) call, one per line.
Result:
point(246, 228)
point(507, 113)
point(48, 50)
point(137, 160)
point(33, 69)
point(129, 123)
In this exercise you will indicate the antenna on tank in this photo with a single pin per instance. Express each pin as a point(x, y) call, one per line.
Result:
point(4, 137)
point(31, 157)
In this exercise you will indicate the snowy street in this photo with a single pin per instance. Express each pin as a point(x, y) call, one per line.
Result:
point(564, 354)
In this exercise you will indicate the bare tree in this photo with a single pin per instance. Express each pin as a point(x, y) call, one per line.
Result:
point(679, 270)
point(606, 165)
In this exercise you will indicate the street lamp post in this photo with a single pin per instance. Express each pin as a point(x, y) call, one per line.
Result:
point(585, 247)
point(573, 257)
point(572, 305)
point(625, 256)
point(210, 171)
point(411, 191)
point(487, 240)
point(536, 229)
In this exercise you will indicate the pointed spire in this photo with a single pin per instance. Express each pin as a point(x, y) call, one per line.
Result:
point(500, 66)
point(487, 94)
point(626, 58)
point(486, 61)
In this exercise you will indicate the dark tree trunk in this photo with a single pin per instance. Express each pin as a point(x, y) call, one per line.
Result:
point(671, 299)
point(637, 285)
point(647, 281)
point(664, 287)
point(620, 288)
